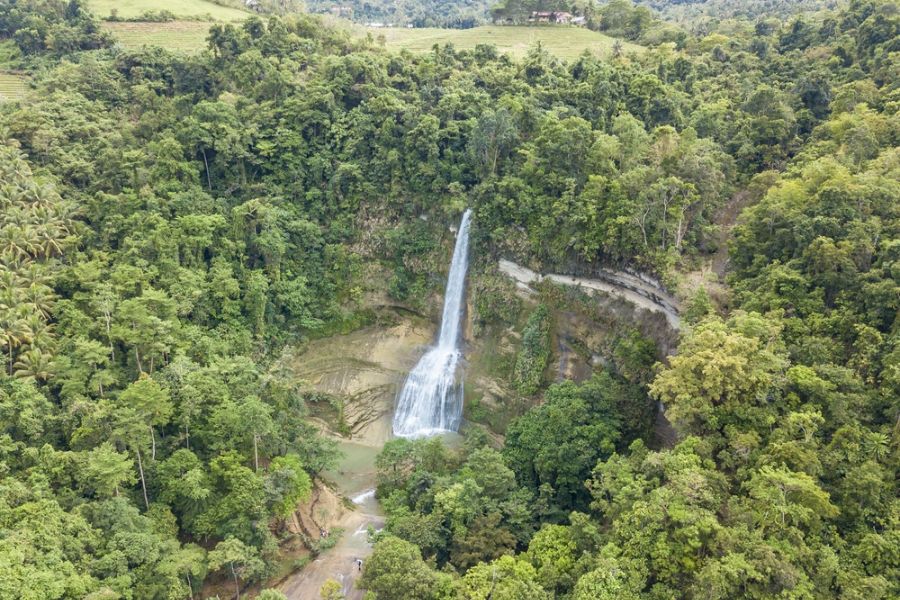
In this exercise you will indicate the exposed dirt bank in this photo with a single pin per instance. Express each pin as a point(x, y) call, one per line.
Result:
point(362, 371)
point(641, 291)
point(338, 563)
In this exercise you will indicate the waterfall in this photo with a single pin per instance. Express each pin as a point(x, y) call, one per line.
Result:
point(431, 399)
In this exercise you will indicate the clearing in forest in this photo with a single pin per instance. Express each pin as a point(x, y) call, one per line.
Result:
point(178, 36)
point(563, 42)
point(567, 43)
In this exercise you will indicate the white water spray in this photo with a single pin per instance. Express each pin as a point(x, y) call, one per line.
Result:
point(362, 497)
point(431, 399)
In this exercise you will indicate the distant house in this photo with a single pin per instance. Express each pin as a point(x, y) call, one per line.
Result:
point(560, 17)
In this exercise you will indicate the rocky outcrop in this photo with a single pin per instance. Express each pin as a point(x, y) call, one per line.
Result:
point(362, 371)
point(636, 288)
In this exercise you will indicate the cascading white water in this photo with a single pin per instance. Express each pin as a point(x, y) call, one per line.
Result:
point(431, 399)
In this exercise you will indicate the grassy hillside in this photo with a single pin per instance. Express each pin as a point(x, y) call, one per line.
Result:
point(187, 9)
point(189, 33)
point(564, 42)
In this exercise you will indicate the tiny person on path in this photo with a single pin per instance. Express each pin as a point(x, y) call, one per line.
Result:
point(359, 564)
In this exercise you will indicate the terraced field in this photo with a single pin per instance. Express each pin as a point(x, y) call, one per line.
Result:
point(12, 86)
point(179, 36)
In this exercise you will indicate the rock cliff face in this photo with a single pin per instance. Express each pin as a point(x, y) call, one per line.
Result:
point(589, 318)
point(357, 376)
point(360, 374)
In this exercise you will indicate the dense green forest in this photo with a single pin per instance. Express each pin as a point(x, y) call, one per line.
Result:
point(170, 224)
point(692, 13)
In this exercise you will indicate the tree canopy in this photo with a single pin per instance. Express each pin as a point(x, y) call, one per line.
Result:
point(170, 223)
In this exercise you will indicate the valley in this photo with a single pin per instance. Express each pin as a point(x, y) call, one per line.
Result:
point(597, 304)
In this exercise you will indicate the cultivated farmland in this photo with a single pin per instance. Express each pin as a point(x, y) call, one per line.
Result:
point(184, 9)
point(12, 86)
point(564, 42)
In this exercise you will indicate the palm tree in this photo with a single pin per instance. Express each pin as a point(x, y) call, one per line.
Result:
point(32, 273)
point(12, 262)
point(7, 341)
point(34, 224)
point(40, 297)
point(51, 228)
point(41, 332)
point(12, 240)
point(49, 239)
point(11, 283)
point(14, 333)
point(34, 363)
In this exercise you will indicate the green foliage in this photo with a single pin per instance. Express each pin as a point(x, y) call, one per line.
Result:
point(408, 246)
point(634, 356)
point(396, 571)
point(699, 306)
point(553, 553)
point(553, 447)
point(44, 552)
point(534, 352)
point(287, 484)
point(727, 373)
point(105, 470)
point(401, 456)
point(606, 582)
point(457, 513)
point(323, 545)
point(169, 223)
point(35, 228)
point(494, 301)
point(241, 562)
point(331, 590)
point(55, 27)
point(622, 19)
point(506, 578)
point(237, 507)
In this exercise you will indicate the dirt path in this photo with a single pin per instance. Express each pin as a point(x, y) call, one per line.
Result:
point(638, 290)
point(338, 563)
